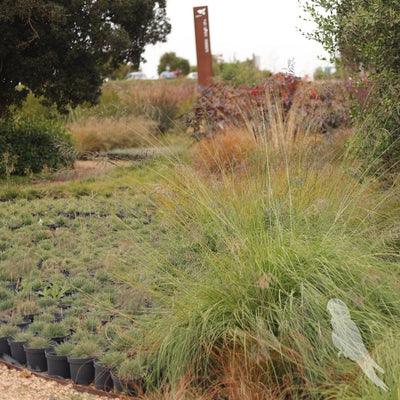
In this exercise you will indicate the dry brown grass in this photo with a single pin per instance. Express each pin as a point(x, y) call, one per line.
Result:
point(184, 390)
point(229, 150)
point(104, 134)
point(240, 380)
point(148, 95)
point(130, 114)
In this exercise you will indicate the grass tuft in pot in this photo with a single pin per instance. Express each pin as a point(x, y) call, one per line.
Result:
point(133, 369)
point(71, 322)
point(87, 349)
point(6, 304)
point(37, 327)
point(91, 324)
point(55, 330)
point(63, 349)
point(112, 359)
point(45, 317)
point(27, 308)
point(46, 302)
point(131, 375)
point(35, 353)
point(16, 319)
point(39, 342)
point(23, 336)
point(8, 330)
point(128, 339)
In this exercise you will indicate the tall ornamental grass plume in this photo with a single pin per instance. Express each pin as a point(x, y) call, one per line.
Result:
point(252, 260)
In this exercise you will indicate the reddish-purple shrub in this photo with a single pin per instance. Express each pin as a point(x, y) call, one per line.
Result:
point(220, 105)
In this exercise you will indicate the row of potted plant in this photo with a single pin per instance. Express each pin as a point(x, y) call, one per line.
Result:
point(49, 324)
point(104, 357)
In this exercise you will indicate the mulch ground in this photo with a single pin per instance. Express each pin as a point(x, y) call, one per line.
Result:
point(24, 385)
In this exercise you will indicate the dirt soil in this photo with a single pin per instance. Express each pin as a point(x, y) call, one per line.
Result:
point(23, 385)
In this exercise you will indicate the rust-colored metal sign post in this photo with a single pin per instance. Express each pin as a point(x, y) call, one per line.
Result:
point(203, 47)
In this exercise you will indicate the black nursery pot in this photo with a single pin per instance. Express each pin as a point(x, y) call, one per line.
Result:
point(24, 325)
point(17, 350)
point(117, 383)
point(60, 339)
point(29, 317)
point(36, 359)
point(57, 365)
point(123, 386)
point(82, 370)
point(102, 377)
point(58, 317)
point(4, 347)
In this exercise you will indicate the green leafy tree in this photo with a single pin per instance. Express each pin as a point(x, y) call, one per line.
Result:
point(174, 63)
point(365, 36)
point(62, 50)
point(361, 32)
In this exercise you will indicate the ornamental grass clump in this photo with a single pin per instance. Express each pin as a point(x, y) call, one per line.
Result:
point(63, 349)
point(39, 342)
point(86, 348)
point(243, 307)
point(112, 359)
point(8, 330)
point(55, 330)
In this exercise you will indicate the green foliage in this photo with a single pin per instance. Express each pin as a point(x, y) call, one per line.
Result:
point(87, 347)
point(30, 145)
point(174, 63)
point(23, 336)
point(120, 72)
point(112, 359)
point(55, 330)
point(262, 289)
point(27, 307)
point(16, 319)
point(64, 349)
point(238, 73)
point(239, 266)
point(128, 340)
point(377, 140)
point(33, 107)
point(63, 50)
point(8, 330)
point(6, 304)
point(365, 35)
point(37, 327)
point(39, 342)
point(132, 368)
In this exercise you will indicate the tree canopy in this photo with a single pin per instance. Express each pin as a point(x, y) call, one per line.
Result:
point(174, 63)
point(362, 33)
point(62, 50)
point(365, 36)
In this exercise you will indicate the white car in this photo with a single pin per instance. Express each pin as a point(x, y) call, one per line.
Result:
point(136, 75)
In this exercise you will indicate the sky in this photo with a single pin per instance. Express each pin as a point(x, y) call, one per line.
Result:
point(239, 29)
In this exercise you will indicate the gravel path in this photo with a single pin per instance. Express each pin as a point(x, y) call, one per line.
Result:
point(22, 385)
